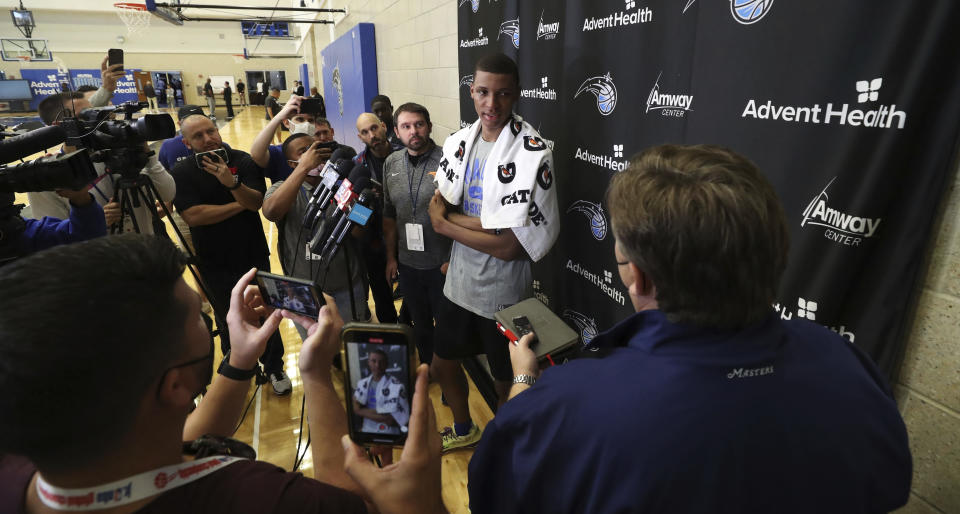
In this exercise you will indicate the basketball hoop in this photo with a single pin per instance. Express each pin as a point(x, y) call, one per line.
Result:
point(24, 58)
point(135, 16)
point(239, 58)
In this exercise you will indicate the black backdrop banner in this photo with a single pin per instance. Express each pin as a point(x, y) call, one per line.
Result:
point(852, 109)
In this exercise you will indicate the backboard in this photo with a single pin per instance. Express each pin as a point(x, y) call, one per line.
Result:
point(24, 49)
point(164, 13)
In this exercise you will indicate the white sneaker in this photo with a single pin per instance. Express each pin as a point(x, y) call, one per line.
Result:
point(281, 383)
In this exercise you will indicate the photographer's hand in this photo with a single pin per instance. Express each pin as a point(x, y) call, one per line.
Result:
point(111, 74)
point(111, 212)
point(322, 342)
point(310, 159)
point(79, 198)
point(412, 484)
point(292, 106)
point(524, 362)
point(248, 338)
point(219, 170)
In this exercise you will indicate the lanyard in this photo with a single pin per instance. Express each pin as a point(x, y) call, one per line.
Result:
point(130, 489)
point(303, 193)
point(413, 200)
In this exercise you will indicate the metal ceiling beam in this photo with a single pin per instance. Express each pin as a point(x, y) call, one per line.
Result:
point(179, 6)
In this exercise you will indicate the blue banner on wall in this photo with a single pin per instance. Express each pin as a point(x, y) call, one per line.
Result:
point(43, 83)
point(126, 87)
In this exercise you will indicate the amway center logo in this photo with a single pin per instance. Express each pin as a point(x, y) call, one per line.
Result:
point(748, 12)
point(511, 28)
point(622, 18)
point(594, 213)
point(480, 40)
point(675, 105)
point(841, 228)
point(603, 89)
point(602, 283)
point(586, 325)
point(547, 31)
point(611, 163)
point(544, 92)
point(884, 116)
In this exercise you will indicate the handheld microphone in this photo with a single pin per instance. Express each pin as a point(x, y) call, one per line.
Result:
point(359, 214)
point(16, 147)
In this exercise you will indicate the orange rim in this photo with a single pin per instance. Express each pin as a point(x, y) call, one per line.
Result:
point(132, 6)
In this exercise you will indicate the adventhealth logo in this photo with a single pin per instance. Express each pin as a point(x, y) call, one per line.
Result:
point(610, 162)
point(675, 105)
point(480, 40)
point(620, 18)
point(547, 31)
point(882, 116)
point(598, 281)
point(807, 309)
point(841, 227)
point(542, 93)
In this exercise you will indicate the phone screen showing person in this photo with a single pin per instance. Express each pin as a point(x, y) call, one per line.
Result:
point(292, 294)
point(212, 155)
point(378, 369)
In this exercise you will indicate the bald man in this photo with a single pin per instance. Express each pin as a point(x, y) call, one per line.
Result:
point(369, 163)
point(220, 199)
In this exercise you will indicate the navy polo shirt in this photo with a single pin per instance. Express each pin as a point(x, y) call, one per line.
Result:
point(783, 416)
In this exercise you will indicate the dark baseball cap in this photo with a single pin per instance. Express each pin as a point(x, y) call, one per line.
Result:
point(189, 110)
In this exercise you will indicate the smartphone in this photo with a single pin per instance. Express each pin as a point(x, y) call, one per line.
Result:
point(378, 368)
point(332, 145)
point(292, 294)
point(115, 56)
point(222, 153)
point(523, 327)
point(311, 106)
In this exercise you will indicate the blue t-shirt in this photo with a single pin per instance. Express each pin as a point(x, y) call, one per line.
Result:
point(782, 416)
point(277, 169)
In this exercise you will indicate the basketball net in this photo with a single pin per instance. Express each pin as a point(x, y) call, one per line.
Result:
point(135, 16)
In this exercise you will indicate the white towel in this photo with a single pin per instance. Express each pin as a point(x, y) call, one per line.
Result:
point(522, 197)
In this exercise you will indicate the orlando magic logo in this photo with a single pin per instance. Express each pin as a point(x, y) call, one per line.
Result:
point(749, 11)
point(338, 85)
point(585, 325)
point(512, 29)
point(603, 88)
point(466, 80)
point(594, 213)
point(474, 4)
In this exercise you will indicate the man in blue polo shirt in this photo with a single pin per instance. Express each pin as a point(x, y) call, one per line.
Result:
point(704, 400)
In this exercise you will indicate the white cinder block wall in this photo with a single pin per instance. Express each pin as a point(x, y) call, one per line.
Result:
point(416, 53)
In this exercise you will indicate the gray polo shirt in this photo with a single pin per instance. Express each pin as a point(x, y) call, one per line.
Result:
point(293, 248)
point(407, 190)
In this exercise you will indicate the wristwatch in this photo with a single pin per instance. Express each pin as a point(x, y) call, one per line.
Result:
point(233, 373)
point(236, 183)
point(524, 379)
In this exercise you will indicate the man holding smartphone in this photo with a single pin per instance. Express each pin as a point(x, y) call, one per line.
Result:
point(220, 200)
point(271, 157)
point(285, 204)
